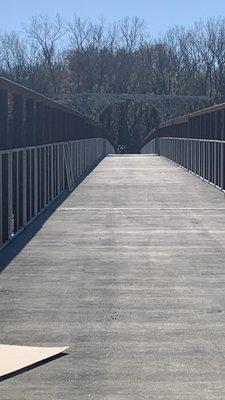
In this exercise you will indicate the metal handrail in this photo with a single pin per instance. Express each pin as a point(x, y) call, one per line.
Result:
point(32, 177)
point(203, 158)
point(28, 118)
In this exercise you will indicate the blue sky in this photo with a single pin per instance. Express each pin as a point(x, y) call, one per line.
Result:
point(159, 15)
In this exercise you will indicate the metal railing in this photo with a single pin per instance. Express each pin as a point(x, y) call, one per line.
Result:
point(32, 177)
point(202, 157)
point(28, 119)
point(44, 148)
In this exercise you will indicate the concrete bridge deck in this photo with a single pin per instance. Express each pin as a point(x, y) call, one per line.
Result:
point(130, 273)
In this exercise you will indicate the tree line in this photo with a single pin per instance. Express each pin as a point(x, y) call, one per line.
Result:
point(63, 59)
point(54, 57)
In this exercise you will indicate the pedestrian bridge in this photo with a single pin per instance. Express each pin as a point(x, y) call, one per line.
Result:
point(120, 257)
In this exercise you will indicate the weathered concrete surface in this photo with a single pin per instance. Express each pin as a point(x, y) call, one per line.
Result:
point(130, 273)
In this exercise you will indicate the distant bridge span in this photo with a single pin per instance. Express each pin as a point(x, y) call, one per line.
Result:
point(168, 106)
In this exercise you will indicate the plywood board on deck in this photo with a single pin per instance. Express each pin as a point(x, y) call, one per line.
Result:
point(14, 358)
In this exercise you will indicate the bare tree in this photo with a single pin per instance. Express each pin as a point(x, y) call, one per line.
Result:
point(13, 56)
point(132, 33)
point(46, 35)
point(117, 58)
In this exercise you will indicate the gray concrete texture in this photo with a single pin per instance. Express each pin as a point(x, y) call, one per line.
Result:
point(129, 272)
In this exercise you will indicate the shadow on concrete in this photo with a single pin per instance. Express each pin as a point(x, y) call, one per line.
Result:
point(14, 247)
point(32, 366)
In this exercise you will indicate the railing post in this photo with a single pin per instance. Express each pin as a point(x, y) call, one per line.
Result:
point(1, 200)
point(10, 197)
point(157, 146)
point(222, 165)
point(222, 135)
point(24, 187)
point(35, 182)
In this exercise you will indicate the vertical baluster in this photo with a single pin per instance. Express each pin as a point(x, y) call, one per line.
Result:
point(1, 198)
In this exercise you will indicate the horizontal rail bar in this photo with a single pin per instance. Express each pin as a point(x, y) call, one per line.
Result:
point(196, 140)
point(14, 150)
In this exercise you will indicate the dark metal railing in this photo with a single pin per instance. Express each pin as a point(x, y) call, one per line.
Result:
point(44, 149)
point(195, 142)
point(204, 158)
point(28, 118)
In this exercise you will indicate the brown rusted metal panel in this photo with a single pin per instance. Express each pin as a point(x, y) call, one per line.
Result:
point(3, 118)
point(14, 131)
point(39, 125)
point(16, 126)
point(30, 132)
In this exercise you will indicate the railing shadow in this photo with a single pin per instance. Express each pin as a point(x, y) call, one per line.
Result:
point(32, 366)
point(14, 247)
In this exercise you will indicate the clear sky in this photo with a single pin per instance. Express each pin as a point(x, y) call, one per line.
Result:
point(158, 14)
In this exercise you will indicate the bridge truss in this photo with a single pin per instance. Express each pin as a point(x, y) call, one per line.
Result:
point(168, 106)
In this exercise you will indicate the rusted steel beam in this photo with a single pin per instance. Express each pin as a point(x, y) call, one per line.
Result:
point(28, 118)
point(16, 89)
point(3, 118)
point(207, 123)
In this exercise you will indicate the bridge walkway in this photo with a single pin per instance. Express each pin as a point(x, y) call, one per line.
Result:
point(129, 272)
